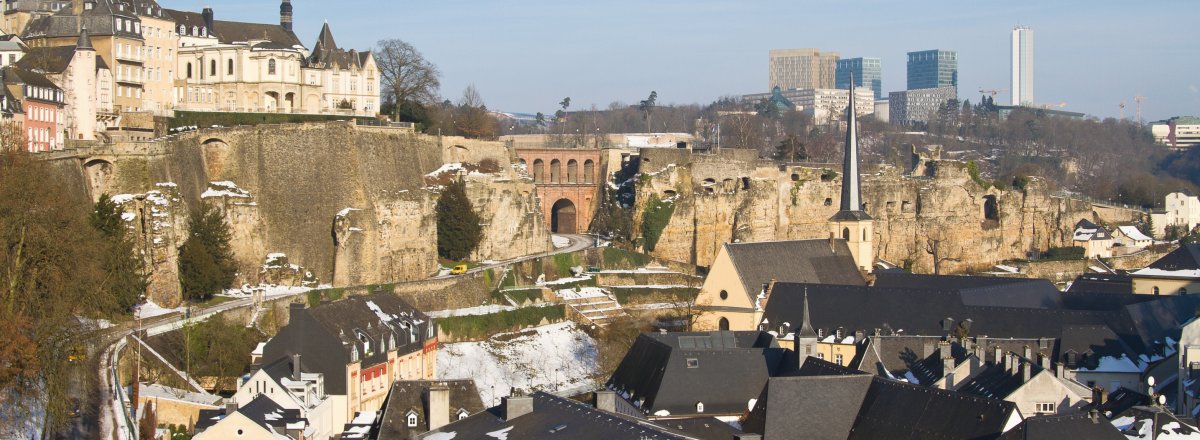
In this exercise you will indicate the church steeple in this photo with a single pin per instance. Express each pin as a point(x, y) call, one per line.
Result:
point(805, 339)
point(852, 223)
point(285, 14)
point(806, 329)
point(85, 41)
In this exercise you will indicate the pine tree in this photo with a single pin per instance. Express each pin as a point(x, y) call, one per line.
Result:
point(206, 264)
point(125, 280)
point(459, 231)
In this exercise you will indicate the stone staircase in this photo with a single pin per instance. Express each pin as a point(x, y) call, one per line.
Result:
point(595, 306)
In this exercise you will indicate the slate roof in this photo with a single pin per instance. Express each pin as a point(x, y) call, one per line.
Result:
point(1120, 401)
point(1102, 283)
point(554, 418)
point(997, 382)
point(229, 32)
point(1088, 231)
point(895, 355)
point(674, 371)
point(896, 410)
point(100, 21)
point(326, 54)
point(17, 75)
point(412, 395)
point(801, 261)
point(262, 410)
point(1186, 257)
point(54, 59)
point(1064, 426)
point(703, 428)
point(1162, 424)
point(980, 290)
point(1132, 329)
point(820, 403)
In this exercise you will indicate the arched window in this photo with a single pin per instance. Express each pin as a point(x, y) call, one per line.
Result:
point(845, 233)
point(572, 171)
point(182, 30)
point(1183, 290)
point(991, 209)
point(1156, 290)
point(555, 171)
point(230, 68)
point(699, 407)
point(271, 66)
point(539, 171)
point(723, 324)
point(189, 70)
point(589, 171)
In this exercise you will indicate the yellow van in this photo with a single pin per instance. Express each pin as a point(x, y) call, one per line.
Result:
point(459, 270)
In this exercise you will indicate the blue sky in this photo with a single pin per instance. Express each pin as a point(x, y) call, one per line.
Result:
point(525, 56)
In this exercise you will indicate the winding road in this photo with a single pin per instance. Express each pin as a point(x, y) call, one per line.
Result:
point(114, 415)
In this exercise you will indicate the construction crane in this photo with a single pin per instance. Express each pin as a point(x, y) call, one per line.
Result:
point(1138, 100)
point(1049, 106)
point(1122, 106)
point(992, 92)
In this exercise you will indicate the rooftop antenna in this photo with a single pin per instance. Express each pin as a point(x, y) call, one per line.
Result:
point(1138, 99)
point(1122, 106)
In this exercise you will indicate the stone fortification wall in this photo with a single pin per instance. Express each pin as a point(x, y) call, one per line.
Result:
point(727, 198)
point(345, 205)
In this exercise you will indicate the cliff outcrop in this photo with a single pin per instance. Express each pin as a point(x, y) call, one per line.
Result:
point(344, 205)
point(935, 212)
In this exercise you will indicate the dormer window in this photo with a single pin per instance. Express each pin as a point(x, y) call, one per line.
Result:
point(462, 413)
point(182, 30)
point(693, 363)
point(412, 419)
point(88, 6)
point(699, 407)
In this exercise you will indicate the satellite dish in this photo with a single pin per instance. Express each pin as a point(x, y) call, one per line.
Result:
point(1162, 400)
point(1150, 381)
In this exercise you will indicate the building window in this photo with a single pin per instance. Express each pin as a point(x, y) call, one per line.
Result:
point(724, 295)
point(189, 70)
point(723, 324)
point(699, 407)
point(1156, 290)
point(271, 66)
point(412, 419)
point(1183, 290)
point(693, 363)
point(230, 69)
point(837, 359)
point(821, 356)
point(462, 414)
point(1044, 407)
point(212, 68)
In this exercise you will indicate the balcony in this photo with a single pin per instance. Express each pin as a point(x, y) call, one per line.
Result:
point(129, 58)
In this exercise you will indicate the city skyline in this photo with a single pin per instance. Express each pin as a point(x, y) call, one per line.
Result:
point(526, 56)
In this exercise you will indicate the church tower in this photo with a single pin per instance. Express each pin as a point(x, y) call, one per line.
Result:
point(285, 14)
point(851, 222)
point(806, 338)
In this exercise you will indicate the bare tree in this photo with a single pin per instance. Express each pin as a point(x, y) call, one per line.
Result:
point(937, 246)
point(406, 76)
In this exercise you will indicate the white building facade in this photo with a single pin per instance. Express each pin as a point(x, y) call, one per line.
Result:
point(1022, 65)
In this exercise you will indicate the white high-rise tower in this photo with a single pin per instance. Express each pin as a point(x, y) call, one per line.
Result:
point(1022, 66)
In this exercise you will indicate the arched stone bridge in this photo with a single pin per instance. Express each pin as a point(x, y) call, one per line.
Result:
point(566, 181)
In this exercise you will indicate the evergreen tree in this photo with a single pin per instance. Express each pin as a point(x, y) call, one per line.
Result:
point(125, 280)
point(206, 264)
point(459, 231)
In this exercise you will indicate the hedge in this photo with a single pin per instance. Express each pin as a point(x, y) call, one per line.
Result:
point(624, 294)
point(476, 327)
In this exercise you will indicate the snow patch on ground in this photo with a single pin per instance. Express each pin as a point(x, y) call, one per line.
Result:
point(469, 311)
point(150, 310)
point(583, 292)
point(556, 356)
point(560, 241)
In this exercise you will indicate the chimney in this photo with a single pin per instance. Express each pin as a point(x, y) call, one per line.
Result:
point(967, 344)
point(928, 350)
point(1099, 396)
point(606, 400)
point(747, 436)
point(1008, 362)
point(1026, 371)
point(944, 350)
point(230, 406)
point(1094, 414)
point(517, 406)
point(999, 355)
point(1045, 360)
point(1028, 353)
point(208, 19)
point(439, 406)
point(296, 367)
point(1058, 370)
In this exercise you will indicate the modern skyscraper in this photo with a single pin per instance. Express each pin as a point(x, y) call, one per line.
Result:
point(929, 69)
point(802, 69)
point(1022, 65)
point(865, 72)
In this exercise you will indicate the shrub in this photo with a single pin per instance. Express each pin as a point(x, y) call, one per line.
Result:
point(654, 219)
point(1064, 253)
point(973, 171)
point(482, 326)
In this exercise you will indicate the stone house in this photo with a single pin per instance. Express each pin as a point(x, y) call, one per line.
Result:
point(86, 81)
point(1177, 273)
point(284, 382)
point(417, 406)
point(1096, 241)
point(174, 406)
point(360, 345)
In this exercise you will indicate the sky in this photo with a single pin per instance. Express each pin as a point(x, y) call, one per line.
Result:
point(525, 56)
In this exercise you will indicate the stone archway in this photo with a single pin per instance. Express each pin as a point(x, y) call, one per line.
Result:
point(562, 217)
point(99, 172)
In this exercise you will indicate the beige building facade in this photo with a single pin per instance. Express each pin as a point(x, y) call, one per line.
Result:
point(805, 68)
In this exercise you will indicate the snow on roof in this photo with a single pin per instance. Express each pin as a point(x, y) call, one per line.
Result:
point(1151, 272)
point(258, 350)
point(364, 418)
point(442, 436)
point(583, 292)
point(1133, 233)
point(1109, 364)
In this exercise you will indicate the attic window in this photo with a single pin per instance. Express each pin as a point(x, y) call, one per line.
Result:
point(412, 419)
point(462, 413)
point(699, 407)
point(88, 6)
point(693, 363)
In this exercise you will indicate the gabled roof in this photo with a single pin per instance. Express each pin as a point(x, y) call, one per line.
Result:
point(262, 410)
point(997, 382)
point(373, 317)
point(1151, 422)
point(669, 373)
point(1186, 257)
point(896, 410)
point(413, 395)
point(327, 55)
point(1120, 401)
point(811, 405)
point(54, 59)
point(1088, 231)
point(229, 32)
point(101, 20)
point(553, 418)
point(1064, 426)
point(17, 75)
point(800, 261)
point(1133, 233)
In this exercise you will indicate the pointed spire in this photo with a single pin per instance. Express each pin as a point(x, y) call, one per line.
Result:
point(806, 329)
point(85, 41)
point(851, 192)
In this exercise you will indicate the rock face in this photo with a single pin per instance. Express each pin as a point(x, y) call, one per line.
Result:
point(939, 214)
point(346, 205)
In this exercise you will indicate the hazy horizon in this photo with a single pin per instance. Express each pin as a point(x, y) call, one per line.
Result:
point(525, 56)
